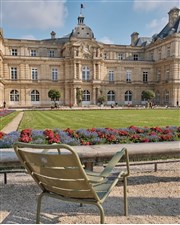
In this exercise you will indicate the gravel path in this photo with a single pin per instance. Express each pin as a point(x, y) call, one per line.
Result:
point(153, 198)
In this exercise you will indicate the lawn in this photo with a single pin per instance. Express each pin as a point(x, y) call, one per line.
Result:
point(4, 120)
point(76, 119)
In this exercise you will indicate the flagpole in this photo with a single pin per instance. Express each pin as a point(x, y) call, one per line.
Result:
point(82, 6)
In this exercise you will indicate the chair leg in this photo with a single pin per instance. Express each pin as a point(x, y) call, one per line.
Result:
point(125, 197)
point(101, 213)
point(39, 208)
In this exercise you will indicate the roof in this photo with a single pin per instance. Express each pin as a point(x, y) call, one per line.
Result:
point(81, 30)
point(168, 30)
point(143, 41)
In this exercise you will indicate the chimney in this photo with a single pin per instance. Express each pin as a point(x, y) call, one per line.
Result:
point(53, 35)
point(173, 15)
point(134, 38)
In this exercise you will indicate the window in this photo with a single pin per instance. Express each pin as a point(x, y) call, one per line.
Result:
point(54, 74)
point(128, 96)
point(85, 73)
point(151, 56)
point(142, 97)
point(35, 96)
point(167, 74)
point(159, 53)
point(33, 52)
point(14, 52)
point(51, 53)
point(120, 56)
point(145, 77)
point(111, 96)
point(128, 76)
point(105, 55)
point(14, 96)
point(86, 95)
point(111, 75)
point(34, 73)
point(157, 97)
point(136, 57)
point(168, 51)
point(13, 73)
point(158, 75)
point(166, 96)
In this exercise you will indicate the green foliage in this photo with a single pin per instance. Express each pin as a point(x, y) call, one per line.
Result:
point(54, 95)
point(148, 94)
point(101, 99)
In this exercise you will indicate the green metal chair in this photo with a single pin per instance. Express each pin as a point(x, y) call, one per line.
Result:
point(58, 171)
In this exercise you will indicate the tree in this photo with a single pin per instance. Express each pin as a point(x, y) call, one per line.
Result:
point(148, 95)
point(54, 95)
point(101, 99)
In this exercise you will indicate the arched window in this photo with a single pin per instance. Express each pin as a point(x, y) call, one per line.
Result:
point(35, 96)
point(166, 96)
point(86, 95)
point(157, 97)
point(14, 96)
point(142, 98)
point(128, 96)
point(85, 73)
point(111, 96)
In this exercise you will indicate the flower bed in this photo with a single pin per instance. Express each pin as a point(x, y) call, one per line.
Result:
point(6, 112)
point(92, 136)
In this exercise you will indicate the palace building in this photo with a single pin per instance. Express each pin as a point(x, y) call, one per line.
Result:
point(78, 63)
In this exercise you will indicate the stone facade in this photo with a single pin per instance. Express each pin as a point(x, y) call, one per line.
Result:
point(77, 62)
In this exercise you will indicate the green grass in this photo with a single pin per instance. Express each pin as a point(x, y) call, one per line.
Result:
point(6, 119)
point(99, 118)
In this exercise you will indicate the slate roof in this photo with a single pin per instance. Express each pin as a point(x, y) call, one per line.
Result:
point(168, 30)
point(143, 41)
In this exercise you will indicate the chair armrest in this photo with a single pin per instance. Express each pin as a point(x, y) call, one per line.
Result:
point(113, 162)
point(127, 164)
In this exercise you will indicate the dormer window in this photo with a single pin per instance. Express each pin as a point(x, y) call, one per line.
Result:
point(33, 52)
point(136, 57)
point(14, 52)
point(120, 56)
point(51, 53)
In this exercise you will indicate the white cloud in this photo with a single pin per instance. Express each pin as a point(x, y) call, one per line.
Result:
point(106, 40)
point(41, 14)
point(156, 25)
point(150, 5)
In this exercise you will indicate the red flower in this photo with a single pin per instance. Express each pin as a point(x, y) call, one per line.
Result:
point(2, 134)
point(51, 137)
point(25, 135)
point(26, 132)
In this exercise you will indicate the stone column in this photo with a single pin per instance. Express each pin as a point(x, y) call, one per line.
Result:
point(94, 96)
point(74, 97)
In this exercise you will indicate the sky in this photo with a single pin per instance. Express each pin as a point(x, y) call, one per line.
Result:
point(112, 21)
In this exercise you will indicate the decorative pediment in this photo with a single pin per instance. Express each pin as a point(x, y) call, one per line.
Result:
point(83, 48)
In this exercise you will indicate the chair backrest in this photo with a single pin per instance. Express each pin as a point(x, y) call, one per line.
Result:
point(57, 172)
